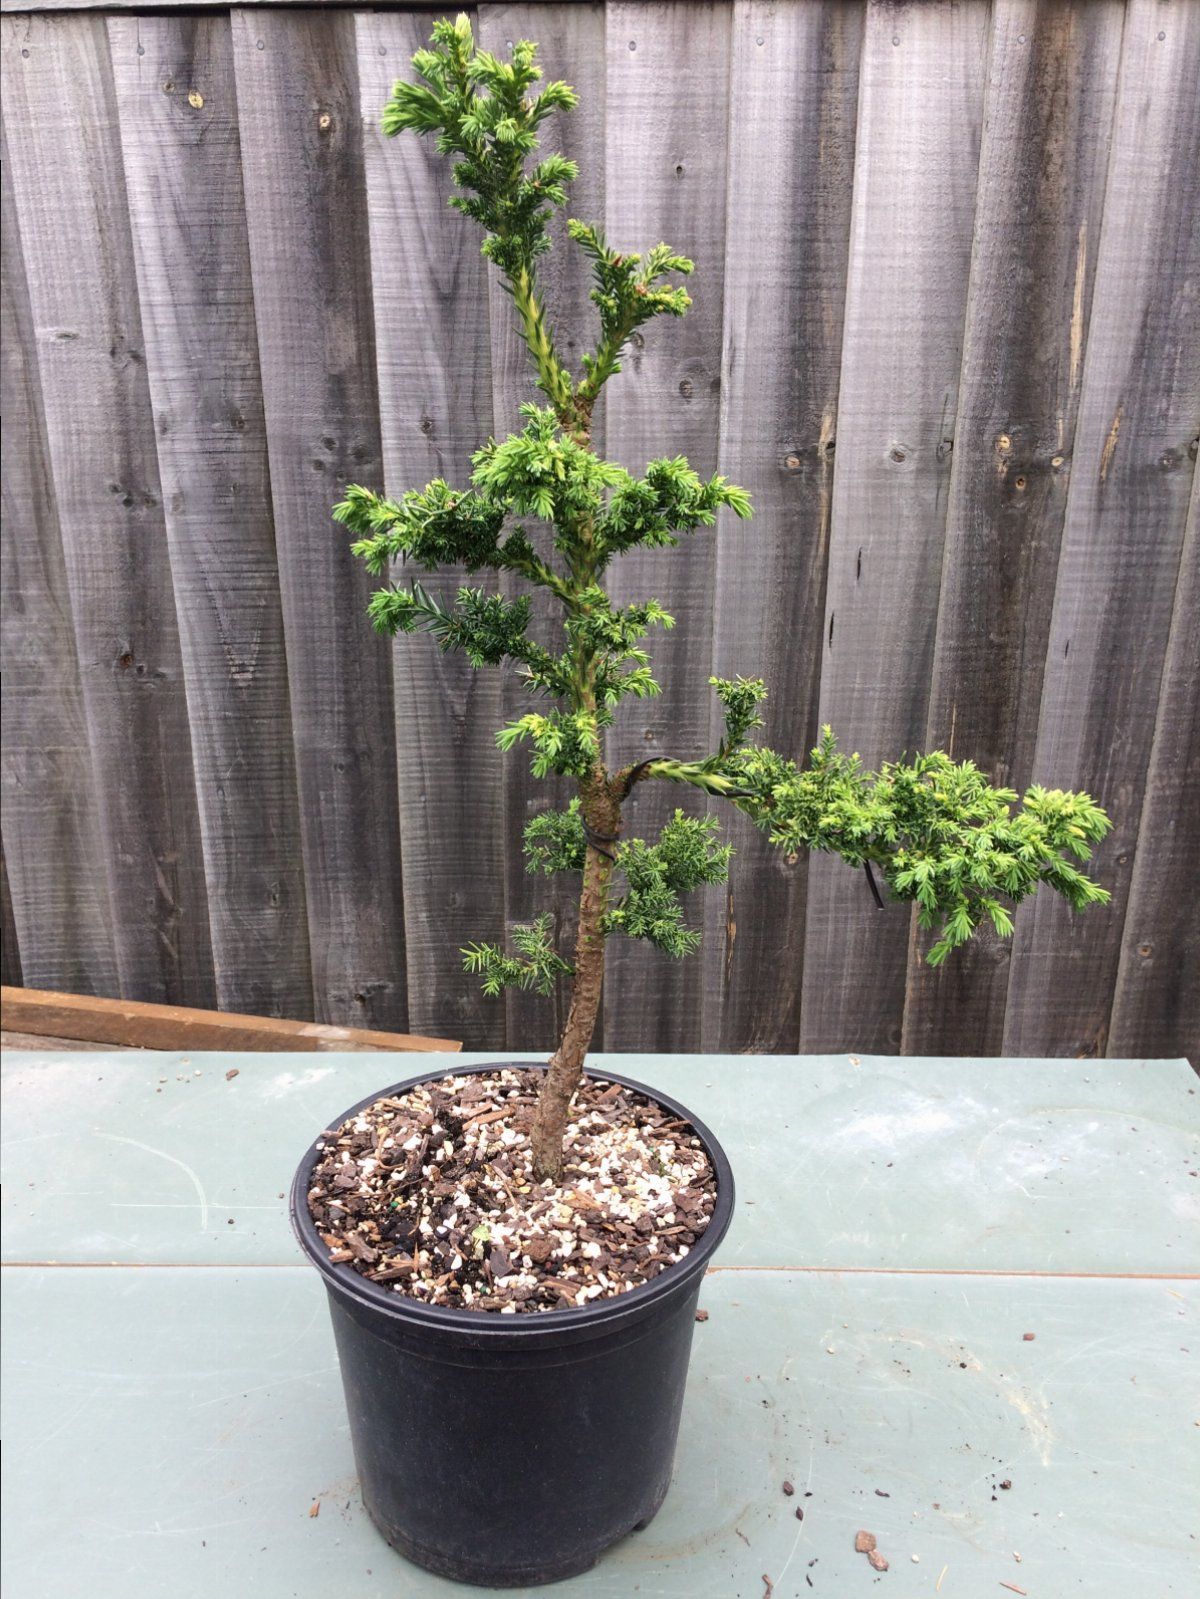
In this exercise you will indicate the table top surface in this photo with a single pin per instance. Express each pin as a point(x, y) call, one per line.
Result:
point(172, 1407)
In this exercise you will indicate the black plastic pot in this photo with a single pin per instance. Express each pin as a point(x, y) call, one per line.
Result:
point(513, 1450)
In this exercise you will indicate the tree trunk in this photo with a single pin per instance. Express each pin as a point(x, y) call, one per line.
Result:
point(602, 818)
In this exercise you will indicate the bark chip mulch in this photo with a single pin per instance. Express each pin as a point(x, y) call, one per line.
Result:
point(432, 1195)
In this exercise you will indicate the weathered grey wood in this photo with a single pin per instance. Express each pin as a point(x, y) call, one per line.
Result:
point(70, 199)
point(1127, 505)
point(54, 859)
point(920, 114)
point(177, 112)
point(1156, 1006)
point(20, 6)
point(434, 374)
point(302, 166)
point(791, 170)
point(1052, 76)
point(571, 40)
point(668, 73)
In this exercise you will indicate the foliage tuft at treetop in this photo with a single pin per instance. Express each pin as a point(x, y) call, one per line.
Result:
point(935, 830)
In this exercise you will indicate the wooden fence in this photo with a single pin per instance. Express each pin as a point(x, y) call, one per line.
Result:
point(947, 330)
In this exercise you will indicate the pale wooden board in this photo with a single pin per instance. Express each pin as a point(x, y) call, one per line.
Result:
point(434, 374)
point(297, 81)
point(1130, 481)
point(58, 916)
point(1052, 76)
point(791, 169)
point(668, 75)
point(571, 40)
point(919, 123)
point(1157, 999)
point(69, 186)
point(177, 112)
point(130, 1022)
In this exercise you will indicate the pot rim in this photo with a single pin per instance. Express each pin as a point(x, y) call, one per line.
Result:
point(597, 1317)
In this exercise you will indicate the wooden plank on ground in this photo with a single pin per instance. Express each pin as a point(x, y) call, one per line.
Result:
point(69, 187)
point(1156, 1007)
point(1127, 506)
point(919, 123)
point(571, 40)
point(791, 168)
point(177, 111)
point(126, 1022)
point(302, 165)
point(665, 141)
point(431, 323)
point(61, 915)
point(1052, 76)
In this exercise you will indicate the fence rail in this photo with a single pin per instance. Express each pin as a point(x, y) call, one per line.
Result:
point(947, 330)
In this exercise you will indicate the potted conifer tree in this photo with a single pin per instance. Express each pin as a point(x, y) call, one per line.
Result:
point(513, 1254)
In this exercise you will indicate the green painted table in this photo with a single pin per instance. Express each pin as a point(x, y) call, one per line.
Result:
point(172, 1404)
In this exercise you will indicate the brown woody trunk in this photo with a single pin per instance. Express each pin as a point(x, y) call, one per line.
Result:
point(602, 817)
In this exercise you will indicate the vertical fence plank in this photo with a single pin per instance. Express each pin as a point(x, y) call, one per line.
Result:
point(177, 113)
point(69, 186)
point(1127, 507)
point(919, 120)
point(668, 69)
point(297, 77)
point(1156, 1007)
point(1051, 85)
point(62, 933)
point(791, 167)
point(571, 40)
point(430, 296)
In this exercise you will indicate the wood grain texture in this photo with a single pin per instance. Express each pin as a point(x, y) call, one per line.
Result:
point(133, 1024)
point(915, 248)
point(1156, 1005)
point(55, 887)
point(302, 158)
point(434, 374)
point(571, 41)
point(177, 112)
point(668, 74)
point(1052, 75)
point(791, 169)
point(68, 182)
point(919, 121)
point(1131, 477)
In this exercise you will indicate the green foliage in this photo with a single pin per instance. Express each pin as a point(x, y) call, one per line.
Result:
point(685, 856)
point(568, 744)
point(628, 292)
point(555, 841)
point(937, 832)
point(670, 499)
point(940, 833)
point(536, 964)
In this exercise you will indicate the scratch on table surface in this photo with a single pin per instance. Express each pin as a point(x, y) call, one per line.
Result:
point(791, 1554)
point(263, 1387)
point(201, 1196)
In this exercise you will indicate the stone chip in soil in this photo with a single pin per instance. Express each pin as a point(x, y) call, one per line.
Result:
point(431, 1194)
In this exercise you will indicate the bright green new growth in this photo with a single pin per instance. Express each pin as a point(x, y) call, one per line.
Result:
point(935, 830)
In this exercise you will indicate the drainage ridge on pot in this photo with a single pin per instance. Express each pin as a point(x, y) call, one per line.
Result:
point(512, 1450)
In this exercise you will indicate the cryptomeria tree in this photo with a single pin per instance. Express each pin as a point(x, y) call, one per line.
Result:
point(934, 830)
